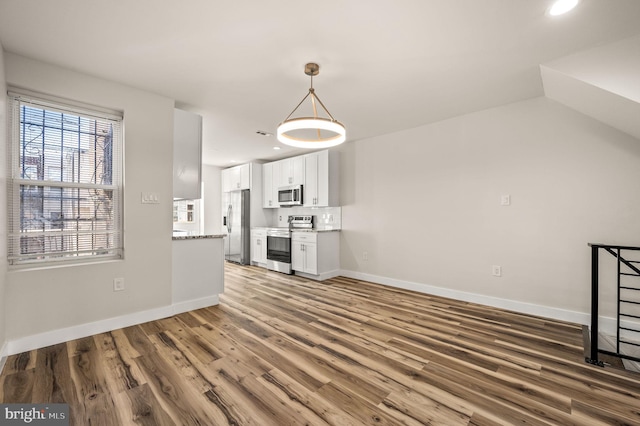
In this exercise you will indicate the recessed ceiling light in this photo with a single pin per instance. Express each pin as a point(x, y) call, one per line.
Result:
point(562, 6)
point(276, 148)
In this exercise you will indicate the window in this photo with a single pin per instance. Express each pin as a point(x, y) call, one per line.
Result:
point(65, 183)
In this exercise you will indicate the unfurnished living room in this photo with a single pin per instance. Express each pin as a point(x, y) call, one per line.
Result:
point(331, 213)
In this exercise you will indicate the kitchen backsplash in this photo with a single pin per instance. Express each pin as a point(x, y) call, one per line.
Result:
point(325, 217)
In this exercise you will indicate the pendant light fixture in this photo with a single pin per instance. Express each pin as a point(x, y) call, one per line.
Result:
point(311, 132)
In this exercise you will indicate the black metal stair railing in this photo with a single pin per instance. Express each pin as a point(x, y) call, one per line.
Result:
point(628, 298)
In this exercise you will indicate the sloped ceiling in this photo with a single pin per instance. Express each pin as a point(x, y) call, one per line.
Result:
point(385, 66)
point(603, 82)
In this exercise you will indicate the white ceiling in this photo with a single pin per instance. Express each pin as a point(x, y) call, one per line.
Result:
point(603, 83)
point(385, 65)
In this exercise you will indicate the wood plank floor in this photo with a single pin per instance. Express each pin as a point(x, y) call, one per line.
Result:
point(282, 350)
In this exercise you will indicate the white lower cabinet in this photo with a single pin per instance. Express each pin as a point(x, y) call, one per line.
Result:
point(315, 255)
point(259, 247)
point(304, 252)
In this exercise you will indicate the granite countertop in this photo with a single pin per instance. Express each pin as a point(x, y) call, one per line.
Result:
point(297, 229)
point(197, 237)
point(316, 230)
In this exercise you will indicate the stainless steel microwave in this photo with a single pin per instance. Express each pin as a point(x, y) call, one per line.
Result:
point(290, 195)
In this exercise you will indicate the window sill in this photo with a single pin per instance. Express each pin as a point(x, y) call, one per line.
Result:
point(28, 267)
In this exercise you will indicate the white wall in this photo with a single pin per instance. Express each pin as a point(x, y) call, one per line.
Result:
point(424, 204)
point(39, 301)
point(198, 272)
point(3, 202)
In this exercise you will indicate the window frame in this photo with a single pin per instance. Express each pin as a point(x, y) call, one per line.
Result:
point(17, 186)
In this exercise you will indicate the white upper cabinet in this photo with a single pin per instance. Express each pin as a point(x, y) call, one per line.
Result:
point(270, 191)
point(238, 177)
point(291, 171)
point(271, 183)
point(321, 179)
point(187, 155)
point(318, 173)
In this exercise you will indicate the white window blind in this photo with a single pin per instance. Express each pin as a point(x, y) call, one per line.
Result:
point(65, 183)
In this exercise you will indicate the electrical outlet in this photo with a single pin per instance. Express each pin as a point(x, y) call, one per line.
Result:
point(118, 284)
point(505, 200)
point(496, 271)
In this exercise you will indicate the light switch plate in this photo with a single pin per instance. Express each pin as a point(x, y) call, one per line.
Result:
point(149, 198)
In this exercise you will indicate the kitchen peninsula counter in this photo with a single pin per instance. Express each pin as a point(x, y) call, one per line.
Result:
point(315, 230)
point(198, 271)
point(197, 237)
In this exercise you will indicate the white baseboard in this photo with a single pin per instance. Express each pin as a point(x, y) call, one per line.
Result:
point(330, 274)
point(512, 305)
point(192, 305)
point(321, 277)
point(3, 355)
point(53, 337)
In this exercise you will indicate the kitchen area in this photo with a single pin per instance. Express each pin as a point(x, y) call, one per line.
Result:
point(284, 215)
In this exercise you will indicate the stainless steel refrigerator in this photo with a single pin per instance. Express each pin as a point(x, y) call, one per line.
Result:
point(238, 240)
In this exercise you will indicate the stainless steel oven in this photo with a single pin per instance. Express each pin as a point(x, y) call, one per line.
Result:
point(279, 250)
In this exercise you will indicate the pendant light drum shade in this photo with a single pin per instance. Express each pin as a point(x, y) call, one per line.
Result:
point(306, 125)
point(311, 132)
